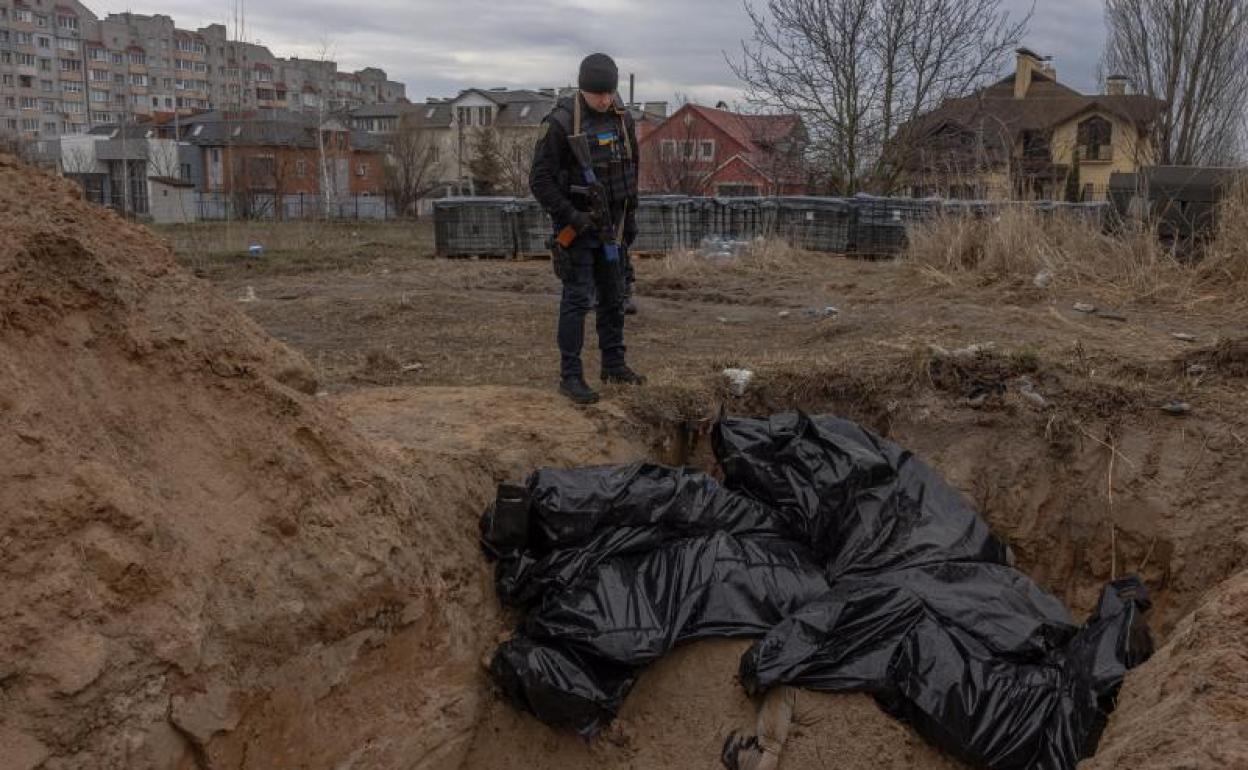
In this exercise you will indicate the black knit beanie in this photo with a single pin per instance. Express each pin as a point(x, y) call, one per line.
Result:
point(598, 75)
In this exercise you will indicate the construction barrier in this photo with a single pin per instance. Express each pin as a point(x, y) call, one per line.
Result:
point(865, 225)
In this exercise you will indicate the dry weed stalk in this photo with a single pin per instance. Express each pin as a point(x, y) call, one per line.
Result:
point(1126, 266)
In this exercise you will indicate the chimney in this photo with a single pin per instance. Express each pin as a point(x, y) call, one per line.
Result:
point(632, 89)
point(1116, 85)
point(1028, 63)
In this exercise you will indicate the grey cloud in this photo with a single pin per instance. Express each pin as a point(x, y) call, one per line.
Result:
point(440, 46)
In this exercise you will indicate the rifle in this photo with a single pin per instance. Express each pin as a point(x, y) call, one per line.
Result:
point(599, 205)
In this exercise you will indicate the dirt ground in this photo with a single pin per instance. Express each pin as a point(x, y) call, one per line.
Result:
point(1094, 482)
point(219, 551)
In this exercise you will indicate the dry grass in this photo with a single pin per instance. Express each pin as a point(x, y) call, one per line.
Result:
point(765, 256)
point(299, 245)
point(1123, 267)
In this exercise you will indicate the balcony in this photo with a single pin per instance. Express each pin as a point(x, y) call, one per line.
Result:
point(1095, 153)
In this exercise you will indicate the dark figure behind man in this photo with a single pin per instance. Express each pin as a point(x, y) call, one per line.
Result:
point(592, 202)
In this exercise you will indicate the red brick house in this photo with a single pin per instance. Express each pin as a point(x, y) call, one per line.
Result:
point(277, 152)
point(711, 151)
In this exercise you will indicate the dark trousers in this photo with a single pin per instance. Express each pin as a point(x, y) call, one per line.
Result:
point(591, 280)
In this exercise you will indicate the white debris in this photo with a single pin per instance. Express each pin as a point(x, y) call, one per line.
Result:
point(784, 314)
point(249, 295)
point(1084, 307)
point(1184, 337)
point(970, 351)
point(413, 367)
point(1197, 369)
point(1027, 390)
point(1043, 279)
point(738, 380)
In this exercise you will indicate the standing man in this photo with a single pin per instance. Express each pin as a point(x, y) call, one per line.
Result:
point(585, 176)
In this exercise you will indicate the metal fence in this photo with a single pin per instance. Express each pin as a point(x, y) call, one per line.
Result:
point(864, 225)
point(265, 206)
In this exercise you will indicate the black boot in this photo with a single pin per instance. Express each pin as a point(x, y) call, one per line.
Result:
point(630, 307)
point(622, 375)
point(577, 390)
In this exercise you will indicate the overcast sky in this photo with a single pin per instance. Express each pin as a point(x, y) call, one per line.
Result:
point(438, 47)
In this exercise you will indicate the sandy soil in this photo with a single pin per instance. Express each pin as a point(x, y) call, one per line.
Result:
point(218, 550)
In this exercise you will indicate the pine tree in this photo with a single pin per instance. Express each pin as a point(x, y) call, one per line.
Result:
point(486, 164)
point(1074, 191)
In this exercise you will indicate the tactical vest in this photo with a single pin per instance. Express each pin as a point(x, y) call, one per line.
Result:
point(610, 147)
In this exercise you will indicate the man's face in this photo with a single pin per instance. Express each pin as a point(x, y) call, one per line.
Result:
point(599, 102)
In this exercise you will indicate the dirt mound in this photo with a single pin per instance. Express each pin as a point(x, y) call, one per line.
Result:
point(178, 517)
point(1188, 706)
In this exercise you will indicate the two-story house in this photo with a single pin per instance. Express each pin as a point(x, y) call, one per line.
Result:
point(279, 152)
point(712, 151)
point(1019, 138)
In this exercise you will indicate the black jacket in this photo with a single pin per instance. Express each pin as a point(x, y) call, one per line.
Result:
point(555, 169)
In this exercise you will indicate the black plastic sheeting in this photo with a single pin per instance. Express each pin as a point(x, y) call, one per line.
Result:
point(859, 567)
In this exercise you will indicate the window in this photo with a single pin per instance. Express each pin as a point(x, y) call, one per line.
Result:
point(362, 170)
point(30, 124)
point(49, 128)
point(138, 79)
point(72, 108)
point(155, 101)
point(1095, 139)
point(47, 105)
point(23, 38)
point(301, 168)
point(25, 60)
point(138, 57)
point(71, 86)
point(97, 54)
point(4, 33)
point(485, 115)
point(10, 103)
point(25, 81)
point(71, 65)
point(11, 124)
point(41, 22)
point(45, 86)
point(118, 59)
point(43, 41)
point(65, 44)
point(100, 76)
point(101, 117)
point(28, 102)
point(67, 22)
point(167, 83)
point(6, 58)
point(464, 116)
point(21, 14)
point(45, 65)
point(706, 149)
point(72, 128)
point(99, 96)
point(185, 170)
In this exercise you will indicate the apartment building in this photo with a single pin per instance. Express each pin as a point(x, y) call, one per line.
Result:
point(64, 70)
point(454, 127)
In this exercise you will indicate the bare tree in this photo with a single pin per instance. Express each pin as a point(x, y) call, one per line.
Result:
point(858, 70)
point(515, 149)
point(412, 166)
point(1191, 54)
